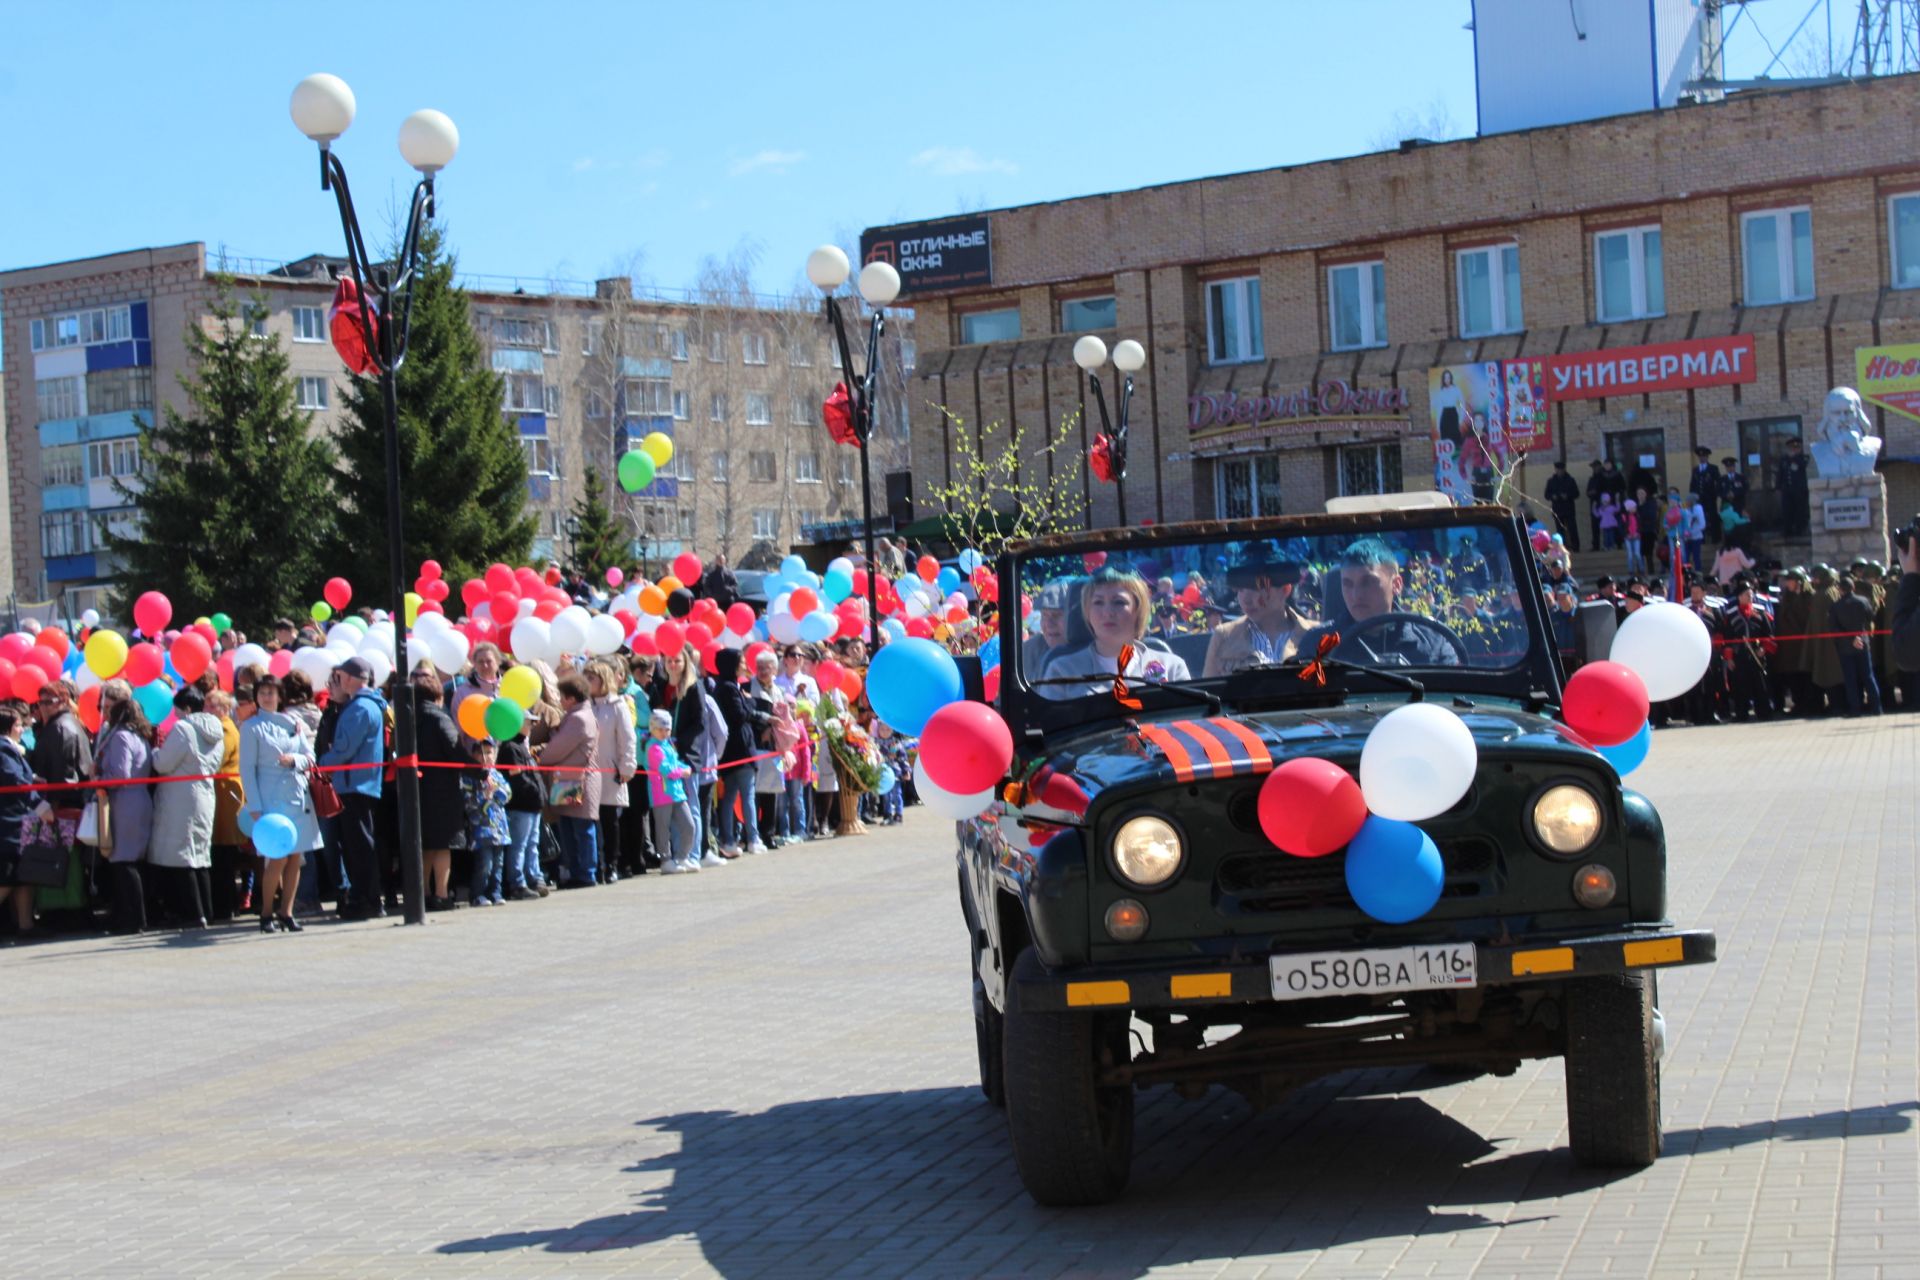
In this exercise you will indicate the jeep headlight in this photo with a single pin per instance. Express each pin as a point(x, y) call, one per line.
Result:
point(1147, 851)
point(1566, 819)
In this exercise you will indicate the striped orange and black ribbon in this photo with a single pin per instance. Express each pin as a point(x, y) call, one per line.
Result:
point(1217, 747)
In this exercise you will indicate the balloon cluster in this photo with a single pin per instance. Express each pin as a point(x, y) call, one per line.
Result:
point(914, 686)
point(1661, 651)
point(639, 466)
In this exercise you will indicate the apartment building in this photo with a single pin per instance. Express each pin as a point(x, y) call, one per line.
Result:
point(1633, 287)
point(96, 346)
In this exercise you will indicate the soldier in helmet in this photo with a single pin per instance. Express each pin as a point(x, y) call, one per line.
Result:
point(1823, 660)
point(1787, 677)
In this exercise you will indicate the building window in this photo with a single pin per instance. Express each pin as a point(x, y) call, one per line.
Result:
point(680, 401)
point(539, 451)
point(984, 326)
point(806, 468)
point(766, 524)
point(799, 411)
point(120, 390)
point(909, 354)
point(58, 398)
point(753, 348)
point(313, 393)
point(596, 407)
point(254, 317)
point(1778, 253)
point(1233, 321)
point(680, 466)
point(553, 398)
point(309, 324)
point(121, 522)
point(83, 328)
point(511, 332)
point(649, 397)
point(1903, 239)
point(1489, 287)
point(679, 344)
point(717, 407)
point(592, 334)
point(113, 458)
point(717, 347)
point(1629, 281)
point(798, 356)
point(760, 466)
point(1248, 487)
point(722, 467)
point(833, 348)
point(759, 409)
point(63, 464)
point(522, 392)
point(845, 469)
point(1080, 314)
point(683, 525)
point(1357, 305)
point(1370, 468)
point(63, 533)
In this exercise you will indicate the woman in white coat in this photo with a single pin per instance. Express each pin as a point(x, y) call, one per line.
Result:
point(182, 841)
point(275, 757)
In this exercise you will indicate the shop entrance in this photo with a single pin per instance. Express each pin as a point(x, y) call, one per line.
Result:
point(1762, 443)
point(1641, 456)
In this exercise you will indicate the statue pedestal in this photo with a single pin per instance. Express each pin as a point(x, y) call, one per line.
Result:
point(1849, 519)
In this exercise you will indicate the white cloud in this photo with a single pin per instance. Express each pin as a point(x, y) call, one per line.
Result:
point(950, 161)
point(769, 160)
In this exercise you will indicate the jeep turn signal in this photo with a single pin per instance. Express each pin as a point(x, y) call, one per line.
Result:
point(1126, 921)
point(1593, 886)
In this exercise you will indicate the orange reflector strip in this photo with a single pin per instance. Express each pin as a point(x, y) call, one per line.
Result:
point(1551, 960)
point(1655, 951)
point(1196, 986)
point(1086, 993)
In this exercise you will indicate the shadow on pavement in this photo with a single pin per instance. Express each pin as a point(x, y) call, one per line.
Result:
point(1864, 1122)
point(922, 1182)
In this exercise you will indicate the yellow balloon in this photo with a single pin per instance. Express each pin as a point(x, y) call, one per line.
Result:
point(522, 684)
point(106, 653)
point(659, 446)
point(413, 607)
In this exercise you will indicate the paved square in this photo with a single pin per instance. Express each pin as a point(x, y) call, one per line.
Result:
point(767, 1070)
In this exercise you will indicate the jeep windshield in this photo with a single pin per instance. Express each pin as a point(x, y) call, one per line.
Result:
point(1446, 600)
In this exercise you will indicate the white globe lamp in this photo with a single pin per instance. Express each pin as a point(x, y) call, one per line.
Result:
point(322, 107)
point(428, 141)
point(828, 267)
point(1090, 353)
point(879, 283)
point(1129, 356)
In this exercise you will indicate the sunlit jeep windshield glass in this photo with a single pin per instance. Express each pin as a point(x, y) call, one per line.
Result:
point(1406, 599)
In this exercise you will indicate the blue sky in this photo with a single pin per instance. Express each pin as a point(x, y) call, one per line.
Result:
point(595, 132)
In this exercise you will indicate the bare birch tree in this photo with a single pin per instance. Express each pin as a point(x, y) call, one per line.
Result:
point(993, 499)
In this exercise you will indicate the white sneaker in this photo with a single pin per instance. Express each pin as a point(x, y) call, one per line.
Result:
point(711, 859)
point(671, 868)
point(757, 847)
point(730, 850)
point(688, 864)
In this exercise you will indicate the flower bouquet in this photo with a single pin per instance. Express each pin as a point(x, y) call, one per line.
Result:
point(854, 756)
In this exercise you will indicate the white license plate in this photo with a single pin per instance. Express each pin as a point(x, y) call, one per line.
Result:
point(1312, 974)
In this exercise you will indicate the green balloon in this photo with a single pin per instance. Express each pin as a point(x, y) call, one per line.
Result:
point(321, 611)
point(504, 718)
point(636, 471)
point(221, 624)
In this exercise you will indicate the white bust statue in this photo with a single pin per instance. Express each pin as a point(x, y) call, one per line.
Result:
point(1842, 446)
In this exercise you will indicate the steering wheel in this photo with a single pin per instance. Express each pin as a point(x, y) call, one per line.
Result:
point(1381, 620)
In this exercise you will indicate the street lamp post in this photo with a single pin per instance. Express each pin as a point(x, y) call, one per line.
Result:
point(828, 268)
point(322, 108)
point(1090, 353)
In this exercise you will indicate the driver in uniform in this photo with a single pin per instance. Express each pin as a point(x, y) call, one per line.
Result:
point(1270, 629)
point(1370, 586)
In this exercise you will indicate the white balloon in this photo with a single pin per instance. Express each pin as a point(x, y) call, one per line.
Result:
point(316, 665)
point(429, 624)
point(784, 627)
point(382, 665)
point(840, 564)
point(647, 625)
point(249, 655)
point(1666, 645)
point(418, 651)
point(449, 650)
point(603, 634)
point(527, 607)
point(531, 640)
point(568, 629)
point(946, 803)
point(91, 617)
point(732, 640)
point(84, 679)
point(1417, 763)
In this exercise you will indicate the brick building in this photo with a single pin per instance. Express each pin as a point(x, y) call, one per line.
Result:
point(1297, 319)
point(95, 345)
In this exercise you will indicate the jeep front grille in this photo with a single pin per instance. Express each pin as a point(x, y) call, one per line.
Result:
point(1257, 883)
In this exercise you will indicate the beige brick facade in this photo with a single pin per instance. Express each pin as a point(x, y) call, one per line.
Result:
point(1840, 151)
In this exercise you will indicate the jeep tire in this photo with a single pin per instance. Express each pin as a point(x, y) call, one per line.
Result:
point(988, 1032)
point(1613, 1072)
point(1072, 1136)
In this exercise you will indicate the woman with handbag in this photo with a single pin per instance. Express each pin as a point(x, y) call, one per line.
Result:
point(573, 793)
point(123, 814)
point(182, 847)
point(16, 814)
point(276, 758)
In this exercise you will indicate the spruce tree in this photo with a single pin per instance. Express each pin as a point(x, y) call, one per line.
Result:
point(234, 497)
point(463, 475)
point(598, 544)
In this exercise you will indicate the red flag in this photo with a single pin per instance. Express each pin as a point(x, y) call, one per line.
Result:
point(349, 336)
point(1100, 457)
point(838, 411)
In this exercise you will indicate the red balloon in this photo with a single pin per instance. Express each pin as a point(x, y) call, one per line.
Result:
point(89, 709)
point(338, 591)
point(191, 654)
point(1310, 807)
point(670, 636)
point(205, 631)
point(957, 615)
point(151, 612)
point(699, 635)
point(687, 567)
point(472, 592)
point(740, 618)
point(437, 590)
point(144, 664)
point(1190, 595)
point(709, 659)
point(751, 656)
point(1094, 560)
point(526, 582)
point(280, 663)
point(860, 582)
point(505, 606)
point(6, 674)
point(929, 569)
point(223, 671)
point(990, 682)
point(546, 610)
point(828, 675)
point(627, 619)
point(851, 625)
point(430, 569)
point(53, 638)
point(553, 575)
point(499, 578)
point(44, 658)
point(644, 645)
point(1605, 703)
point(966, 747)
point(555, 595)
point(802, 602)
point(27, 681)
point(14, 646)
point(430, 606)
point(921, 629)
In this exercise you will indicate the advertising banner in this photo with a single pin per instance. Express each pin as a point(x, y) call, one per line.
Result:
point(1889, 377)
point(955, 253)
point(1485, 417)
point(1663, 366)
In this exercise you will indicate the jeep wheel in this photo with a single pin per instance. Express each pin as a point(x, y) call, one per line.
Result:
point(988, 1031)
point(1613, 1072)
point(1072, 1136)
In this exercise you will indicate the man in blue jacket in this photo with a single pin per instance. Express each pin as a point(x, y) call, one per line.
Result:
point(359, 738)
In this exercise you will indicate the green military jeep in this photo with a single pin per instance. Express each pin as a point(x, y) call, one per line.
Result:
point(1130, 923)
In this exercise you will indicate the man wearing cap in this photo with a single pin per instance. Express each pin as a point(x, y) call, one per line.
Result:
point(1749, 638)
point(1790, 479)
point(1705, 484)
point(1052, 604)
point(1270, 630)
point(1563, 491)
point(1733, 485)
point(359, 738)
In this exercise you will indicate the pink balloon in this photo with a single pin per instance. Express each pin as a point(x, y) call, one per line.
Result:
point(151, 612)
point(966, 747)
point(280, 663)
point(615, 577)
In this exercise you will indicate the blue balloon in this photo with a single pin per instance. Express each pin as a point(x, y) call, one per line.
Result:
point(837, 585)
point(818, 626)
point(948, 582)
point(244, 820)
point(888, 779)
point(155, 699)
point(895, 629)
point(911, 679)
point(74, 658)
point(1631, 754)
point(990, 654)
point(793, 567)
point(970, 560)
point(1394, 870)
point(274, 835)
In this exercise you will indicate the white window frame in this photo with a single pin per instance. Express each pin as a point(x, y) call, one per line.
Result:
point(717, 347)
point(849, 474)
point(759, 409)
point(763, 466)
point(684, 525)
point(63, 464)
point(649, 397)
point(72, 528)
point(806, 468)
point(1244, 296)
point(1371, 293)
point(60, 393)
point(909, 355)
point(86, 328)
point(717, 407)
point(1783, 219)
point(680, 406)
point(1638, 307)
point(118, 457)
point(309, 324)
point(753, 348)
point(553, 398)
point(766, 523)
point(722, 467)
point(308, 384)
point(593, 406)
point(799, 411)
point(798, 357)
point(679, 344)
point(1893, 241)
point(519, 392)
point(540, 456)
point(967, 321)
point(254, 316)
point(1496, 255)
point(1251, 462)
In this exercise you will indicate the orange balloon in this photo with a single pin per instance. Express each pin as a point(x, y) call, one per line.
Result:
point(850, 686)
point(668, 585)
point(89, 709)
point(473, 715)
point(54, 638)
point(653, 601)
